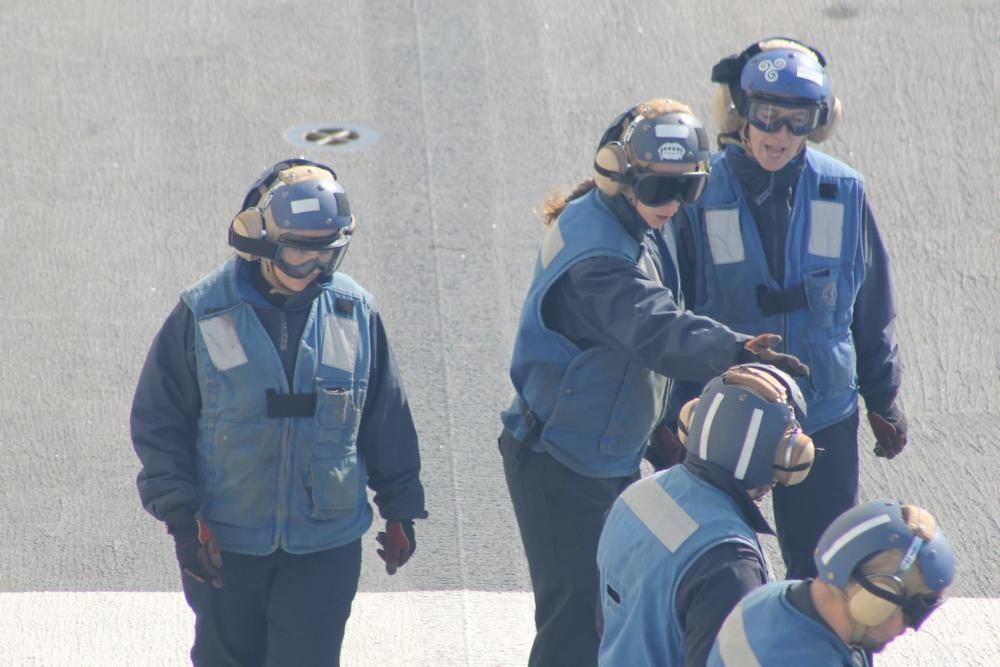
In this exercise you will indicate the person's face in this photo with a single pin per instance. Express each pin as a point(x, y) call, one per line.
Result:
point(773, 150)
point(301, 256)
point(879, 636)
point(656, 217)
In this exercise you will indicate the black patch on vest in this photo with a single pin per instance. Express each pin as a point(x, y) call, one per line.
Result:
point(344, 306)
point(828, 190)
point(290, 405)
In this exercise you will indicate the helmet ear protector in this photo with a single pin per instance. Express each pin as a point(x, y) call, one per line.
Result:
point(750, 408)
point(660, 131)
point(308, 198)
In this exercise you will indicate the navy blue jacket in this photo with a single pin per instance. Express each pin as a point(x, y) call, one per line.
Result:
point(608, 301)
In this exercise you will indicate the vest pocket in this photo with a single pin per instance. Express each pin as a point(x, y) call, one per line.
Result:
point(822, 294)
point(333, 487)
point(238, 474)
point(832, 364)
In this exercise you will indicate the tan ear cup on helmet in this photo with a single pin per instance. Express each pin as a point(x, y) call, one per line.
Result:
point(869, 609)
point(793, 458)
point(684, 420)
point(248, 224)
point(611, 157)
point(821, 134)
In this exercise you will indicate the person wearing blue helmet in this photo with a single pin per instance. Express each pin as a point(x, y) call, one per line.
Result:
point(599, 334)
point(882, 567)
point(784, 241)
point(268, 403)
point(679, 548)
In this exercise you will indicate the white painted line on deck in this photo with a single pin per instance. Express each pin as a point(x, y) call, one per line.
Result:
point(443, 629)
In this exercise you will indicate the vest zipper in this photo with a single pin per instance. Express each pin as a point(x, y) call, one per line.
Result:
point(283, 342)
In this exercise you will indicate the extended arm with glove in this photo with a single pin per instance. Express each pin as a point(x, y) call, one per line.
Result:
point(760, 349)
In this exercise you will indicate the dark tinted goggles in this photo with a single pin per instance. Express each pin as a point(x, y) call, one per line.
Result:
point(656, 189)
point(916, 609)
point(298, 256)
point(770, 116)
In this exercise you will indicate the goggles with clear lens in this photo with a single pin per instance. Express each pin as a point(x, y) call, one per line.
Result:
point(654, 188)
point(298, 256)
point(770, 116)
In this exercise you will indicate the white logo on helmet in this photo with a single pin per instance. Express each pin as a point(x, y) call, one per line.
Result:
point(771, 68)
point(672, 151)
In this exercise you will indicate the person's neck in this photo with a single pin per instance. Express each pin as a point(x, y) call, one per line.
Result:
point(832, 606)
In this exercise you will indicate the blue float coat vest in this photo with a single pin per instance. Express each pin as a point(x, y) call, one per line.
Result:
point(597, 406)
point(295, 483)
point(765, 629)
point(823, 255)
point(656, 530)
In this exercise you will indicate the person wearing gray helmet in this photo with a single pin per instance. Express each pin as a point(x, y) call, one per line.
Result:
point(268, 404)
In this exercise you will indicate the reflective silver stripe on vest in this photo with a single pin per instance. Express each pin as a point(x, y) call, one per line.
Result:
point(660, 513)
point(724, 237)
point(734, 647)
point(340, 342)
point(827, 230)
point(552, 244)
point(222, 341)
point(648, 266)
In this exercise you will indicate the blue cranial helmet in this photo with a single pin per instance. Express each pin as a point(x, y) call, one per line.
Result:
point(779, 81)
point(295, 216)
point(875, 526)
point(746, 422)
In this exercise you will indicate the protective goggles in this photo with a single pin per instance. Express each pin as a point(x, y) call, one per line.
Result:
point(769, 116)
point(298, 256)
point(654, 188)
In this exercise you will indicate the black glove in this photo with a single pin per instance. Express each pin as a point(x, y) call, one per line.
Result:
point(664, 449)
point(758, 349)
point(398, 543)
point(197, 551)
point(889, 428)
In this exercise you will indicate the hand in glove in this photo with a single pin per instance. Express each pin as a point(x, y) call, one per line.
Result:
point(889, 428)
point(759, 349)
point(664, 449)
point(398, 543)
point(197, 551)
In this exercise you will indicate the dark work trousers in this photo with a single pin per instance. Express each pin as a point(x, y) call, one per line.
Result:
point(802, 512)
point(275, 611)
point(560, 515)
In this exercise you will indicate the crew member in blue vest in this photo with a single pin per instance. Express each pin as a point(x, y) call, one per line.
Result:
point(599, 334)
point(679, 548)
point(268, 402)
point(883, 567)
point(784, 241)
